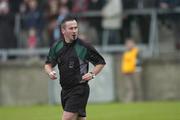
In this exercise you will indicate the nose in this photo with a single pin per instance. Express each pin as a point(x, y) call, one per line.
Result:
point(74, 30)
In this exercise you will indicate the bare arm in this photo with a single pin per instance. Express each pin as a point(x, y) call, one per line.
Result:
point(97, 69)
point(49, 70)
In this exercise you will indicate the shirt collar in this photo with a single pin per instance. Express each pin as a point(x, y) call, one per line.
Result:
point(69, 44)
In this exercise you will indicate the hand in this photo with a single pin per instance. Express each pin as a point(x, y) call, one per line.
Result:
point(87, 77)
point(52, 75)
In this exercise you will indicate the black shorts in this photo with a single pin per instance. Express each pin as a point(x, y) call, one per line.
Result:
point(75, 99)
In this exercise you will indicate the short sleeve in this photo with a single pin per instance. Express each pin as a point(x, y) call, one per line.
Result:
point(94, 57)
point(52, 57)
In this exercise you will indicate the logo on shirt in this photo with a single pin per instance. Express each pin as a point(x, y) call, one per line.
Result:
point(71, 64)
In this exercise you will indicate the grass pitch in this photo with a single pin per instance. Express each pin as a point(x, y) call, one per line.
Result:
point(110, 111)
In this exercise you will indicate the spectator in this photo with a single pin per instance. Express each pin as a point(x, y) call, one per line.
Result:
point(143, 21)
point(79, 6)
point(33, 19)
point(130, 68)
point(32, 42)
point(32, 38)
point(112, 21)
point(15, 5)
point(169, 3)
point(23, 7)
point(95, 22)
point(134, 4)
point(67, 3)
point(52, 13)
point(63, 12)
point(172, 20)
point(7, 36)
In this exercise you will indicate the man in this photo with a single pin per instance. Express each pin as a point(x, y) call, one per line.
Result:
point(72, 56)
point(112, 21)
point(171, 20)
point(130, 68)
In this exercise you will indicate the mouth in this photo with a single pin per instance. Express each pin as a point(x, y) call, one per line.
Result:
point(74, 36)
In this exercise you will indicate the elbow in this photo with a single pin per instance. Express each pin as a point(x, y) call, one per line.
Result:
point(47, 66)
point(102, 65)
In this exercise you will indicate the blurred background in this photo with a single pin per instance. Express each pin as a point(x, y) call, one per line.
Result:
point(29, 27)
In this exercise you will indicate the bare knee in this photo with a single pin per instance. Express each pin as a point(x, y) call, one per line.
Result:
point(69, 116)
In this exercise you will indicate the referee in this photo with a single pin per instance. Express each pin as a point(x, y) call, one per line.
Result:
point(72, 56)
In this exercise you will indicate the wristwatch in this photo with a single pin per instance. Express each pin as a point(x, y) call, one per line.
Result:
point(93, 75)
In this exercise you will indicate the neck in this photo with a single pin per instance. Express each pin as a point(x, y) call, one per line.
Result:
point(68, 41)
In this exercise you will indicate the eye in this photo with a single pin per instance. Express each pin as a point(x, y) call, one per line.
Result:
point(71, 28)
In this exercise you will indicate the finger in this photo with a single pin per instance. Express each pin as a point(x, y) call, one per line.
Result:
point(53, 77)
point(85, 76)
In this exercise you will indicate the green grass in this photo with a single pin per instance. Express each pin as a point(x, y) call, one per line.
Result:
point(111, 111)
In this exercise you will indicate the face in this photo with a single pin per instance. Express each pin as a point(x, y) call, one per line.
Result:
point(70, 31)
point(33, 5)
point(129, 44)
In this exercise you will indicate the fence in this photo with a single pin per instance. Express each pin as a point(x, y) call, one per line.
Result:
point(149, 50)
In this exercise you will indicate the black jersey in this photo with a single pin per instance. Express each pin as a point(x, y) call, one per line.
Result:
point(73, 60)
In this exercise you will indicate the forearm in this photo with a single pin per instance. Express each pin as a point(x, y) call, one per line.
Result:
point(95, 71)
point(97, 68)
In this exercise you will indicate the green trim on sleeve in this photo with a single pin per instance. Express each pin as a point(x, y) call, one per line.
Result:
point(58, 46)
point(53, 53)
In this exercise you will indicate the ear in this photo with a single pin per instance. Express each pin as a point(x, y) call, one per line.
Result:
point(62, 30)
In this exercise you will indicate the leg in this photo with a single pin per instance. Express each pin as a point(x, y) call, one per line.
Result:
point(76, 102)
point(129, 93)
point(69, 116)
point(138, 87)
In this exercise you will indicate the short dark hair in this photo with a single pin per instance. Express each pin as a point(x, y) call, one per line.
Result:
point(67, 18)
